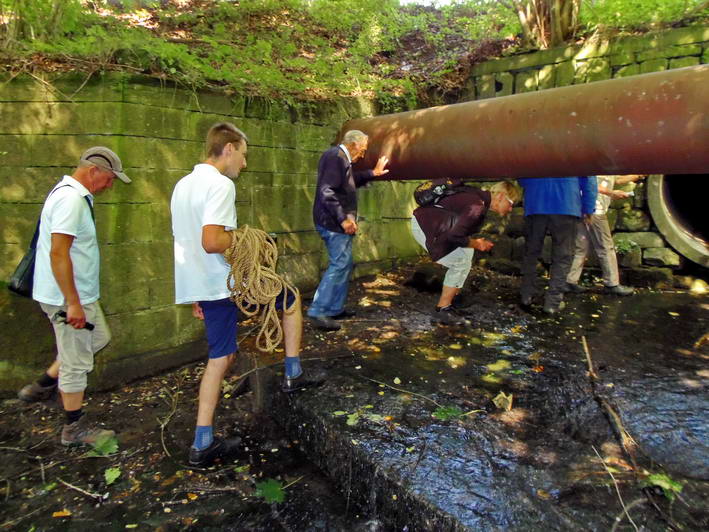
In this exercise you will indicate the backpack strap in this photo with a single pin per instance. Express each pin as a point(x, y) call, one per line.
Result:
point(35, 237)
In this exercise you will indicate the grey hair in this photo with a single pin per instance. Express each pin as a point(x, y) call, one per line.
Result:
point(354, 136)
point(509, 189)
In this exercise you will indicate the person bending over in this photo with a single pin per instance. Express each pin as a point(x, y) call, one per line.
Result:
point(445, 228)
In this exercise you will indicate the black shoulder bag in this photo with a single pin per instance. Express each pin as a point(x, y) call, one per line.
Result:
point(22, 279)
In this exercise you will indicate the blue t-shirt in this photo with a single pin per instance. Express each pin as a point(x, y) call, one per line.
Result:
point(573, 196)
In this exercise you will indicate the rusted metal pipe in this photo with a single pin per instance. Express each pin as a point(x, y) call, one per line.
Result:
point(652, 124)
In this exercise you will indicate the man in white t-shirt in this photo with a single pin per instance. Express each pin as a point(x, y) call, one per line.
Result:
point(66, 285)
point(596, 233)
point(203, 215)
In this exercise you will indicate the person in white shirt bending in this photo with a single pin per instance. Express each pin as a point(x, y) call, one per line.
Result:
point(596, 233)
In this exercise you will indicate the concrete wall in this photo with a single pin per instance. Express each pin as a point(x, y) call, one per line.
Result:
point(158, 131)
point(648, 255)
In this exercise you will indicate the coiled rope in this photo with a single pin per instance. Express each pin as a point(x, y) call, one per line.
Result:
point(254, 284)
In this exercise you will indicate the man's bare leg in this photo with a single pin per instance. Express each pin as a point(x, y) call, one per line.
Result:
point(53, 370)
point(447, 295)
point(293, 329)
point(210, 388)
point(72, 401)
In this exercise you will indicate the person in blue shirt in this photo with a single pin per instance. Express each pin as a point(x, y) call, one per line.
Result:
point(553, 205)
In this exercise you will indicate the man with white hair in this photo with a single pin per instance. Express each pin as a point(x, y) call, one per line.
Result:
point(335, 217)
point(66, 285)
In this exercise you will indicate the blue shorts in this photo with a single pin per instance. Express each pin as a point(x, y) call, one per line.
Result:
point(221, 319)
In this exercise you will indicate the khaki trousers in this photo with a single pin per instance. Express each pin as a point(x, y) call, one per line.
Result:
point(76, 347)
point(596, 234)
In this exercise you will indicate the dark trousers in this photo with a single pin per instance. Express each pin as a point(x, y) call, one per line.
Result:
point(562, 229)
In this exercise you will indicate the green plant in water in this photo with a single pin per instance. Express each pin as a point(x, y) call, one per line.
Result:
point(446, 413)
point(670, 488)
point(270, 490)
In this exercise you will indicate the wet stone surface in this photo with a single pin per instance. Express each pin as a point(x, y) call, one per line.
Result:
point(410, 428)
point(409, 431)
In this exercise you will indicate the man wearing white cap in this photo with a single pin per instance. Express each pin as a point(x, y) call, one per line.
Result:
point(66, 285)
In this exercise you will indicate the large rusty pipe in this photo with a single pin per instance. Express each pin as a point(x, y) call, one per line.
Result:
point(652, 124)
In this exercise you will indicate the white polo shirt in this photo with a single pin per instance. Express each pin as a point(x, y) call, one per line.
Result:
point(66, 212)
point(204, 197)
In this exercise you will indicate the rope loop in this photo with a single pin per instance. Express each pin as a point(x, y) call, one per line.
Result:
point(254, 284)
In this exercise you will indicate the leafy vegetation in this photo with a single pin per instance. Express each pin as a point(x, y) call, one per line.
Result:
point(307, 48)
point(670, 487)
point(270, 490)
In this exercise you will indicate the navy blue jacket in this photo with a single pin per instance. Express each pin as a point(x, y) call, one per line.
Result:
point(336, 193)
point(573, 196)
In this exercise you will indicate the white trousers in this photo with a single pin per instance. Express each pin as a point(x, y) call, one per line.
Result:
point(459, 261)
point(76, 347)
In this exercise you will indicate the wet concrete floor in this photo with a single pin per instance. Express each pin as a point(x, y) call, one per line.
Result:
point(409, 431)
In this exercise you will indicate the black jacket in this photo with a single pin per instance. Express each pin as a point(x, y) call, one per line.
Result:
point(336, 194)
point(453, 220)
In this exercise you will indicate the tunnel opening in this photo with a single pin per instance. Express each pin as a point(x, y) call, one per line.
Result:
point(684, 195)
point(677, 207)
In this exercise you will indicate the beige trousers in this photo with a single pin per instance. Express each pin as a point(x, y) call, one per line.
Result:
point(76, 347)
point(596, 234)
point(459, 261)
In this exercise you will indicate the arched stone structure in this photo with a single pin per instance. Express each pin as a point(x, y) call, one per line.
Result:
point(678, 208)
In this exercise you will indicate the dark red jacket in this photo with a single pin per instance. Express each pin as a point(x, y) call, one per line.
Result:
point(453, 220)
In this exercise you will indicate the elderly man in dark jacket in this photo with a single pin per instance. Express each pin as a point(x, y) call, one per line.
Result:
point(335, 217)
point(446, 228)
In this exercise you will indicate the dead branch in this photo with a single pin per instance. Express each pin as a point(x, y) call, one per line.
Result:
point(617, 490)
point(8, 524)
point(403, 391)
point(174, 399)
point(96, 496)
point(293, 482)
point(627, 442)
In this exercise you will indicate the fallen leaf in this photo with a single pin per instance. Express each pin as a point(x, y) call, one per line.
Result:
point(62, 513)
point(111, 475)
point(397, 380)
point(543, 495)
point(192, 496)
point(456, 346)
point(538, 369)
point(338, 413)
point(500, 365)
point(503, 401)
point(380, 393)
point(675, 314)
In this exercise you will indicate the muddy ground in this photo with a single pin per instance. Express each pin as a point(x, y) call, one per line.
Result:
point(408, 430)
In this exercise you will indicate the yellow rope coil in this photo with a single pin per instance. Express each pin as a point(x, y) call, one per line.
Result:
point(254, 284)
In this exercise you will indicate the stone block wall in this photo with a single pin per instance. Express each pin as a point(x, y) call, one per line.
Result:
point(158, 131)
point(636, 235)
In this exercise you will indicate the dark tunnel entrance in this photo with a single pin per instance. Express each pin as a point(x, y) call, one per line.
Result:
point(685, 196)
point(677, 205)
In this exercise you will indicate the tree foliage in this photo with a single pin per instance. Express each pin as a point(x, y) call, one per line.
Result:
point(306, 48)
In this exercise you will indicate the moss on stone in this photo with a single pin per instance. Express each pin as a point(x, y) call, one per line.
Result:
point(653, 65)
